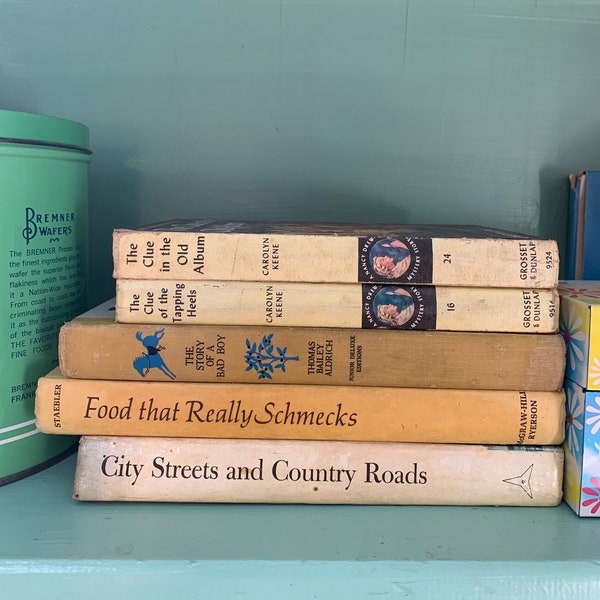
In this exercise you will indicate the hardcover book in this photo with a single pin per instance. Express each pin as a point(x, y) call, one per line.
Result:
point(583, 233)
point(335, 252)
point(580, 326)
point(320, 472)
point(288, 411)
point(337, 305)
point(95, 346)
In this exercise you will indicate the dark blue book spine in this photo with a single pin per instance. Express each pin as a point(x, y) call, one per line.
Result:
point(572, 227)
point(591, 233)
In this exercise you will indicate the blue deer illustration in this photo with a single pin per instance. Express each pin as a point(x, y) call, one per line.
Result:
point(151, 359)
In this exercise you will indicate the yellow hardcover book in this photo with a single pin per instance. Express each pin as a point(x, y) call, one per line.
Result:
point(447, 255)
point(287, 411)
point(349, 305)
point(95, 346)
point(315, 472)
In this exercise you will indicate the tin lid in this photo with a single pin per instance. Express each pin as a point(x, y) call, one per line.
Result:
point(40, 130)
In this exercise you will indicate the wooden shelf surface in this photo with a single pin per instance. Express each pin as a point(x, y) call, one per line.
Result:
point(53, 545)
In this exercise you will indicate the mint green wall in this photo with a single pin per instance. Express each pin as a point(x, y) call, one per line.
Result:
point(413, 110)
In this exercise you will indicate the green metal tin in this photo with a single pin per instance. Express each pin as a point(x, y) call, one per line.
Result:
point(43, 272)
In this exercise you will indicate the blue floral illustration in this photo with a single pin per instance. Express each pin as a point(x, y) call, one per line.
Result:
point(262, 358)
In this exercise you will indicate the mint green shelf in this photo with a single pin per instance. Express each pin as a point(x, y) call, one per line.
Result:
point(54, 546)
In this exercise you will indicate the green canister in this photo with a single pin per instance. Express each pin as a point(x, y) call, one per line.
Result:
point(43, 271)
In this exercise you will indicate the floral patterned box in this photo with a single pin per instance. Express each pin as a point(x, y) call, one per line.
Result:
point(580, 326)
point(582, 451)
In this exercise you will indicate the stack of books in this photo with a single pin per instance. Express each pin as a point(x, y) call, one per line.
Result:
point(317, 363)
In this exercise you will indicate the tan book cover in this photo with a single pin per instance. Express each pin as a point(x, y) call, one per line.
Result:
point(95, 346)
point(447, 255)
point(347, 305)
point(316, 472)
point(287, 411)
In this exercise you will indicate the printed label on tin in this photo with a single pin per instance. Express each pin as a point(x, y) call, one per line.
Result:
point(45, 266)
point(44, 283)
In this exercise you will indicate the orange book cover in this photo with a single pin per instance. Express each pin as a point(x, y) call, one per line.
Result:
point(95, 346)
point(287, 411)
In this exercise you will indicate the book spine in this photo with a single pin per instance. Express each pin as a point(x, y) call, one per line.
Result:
point(590, 225)
point(575, 226)
point(330, 258)
point(266, 471)
point(287, 411)
point(337, 305)
point(95, 349)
